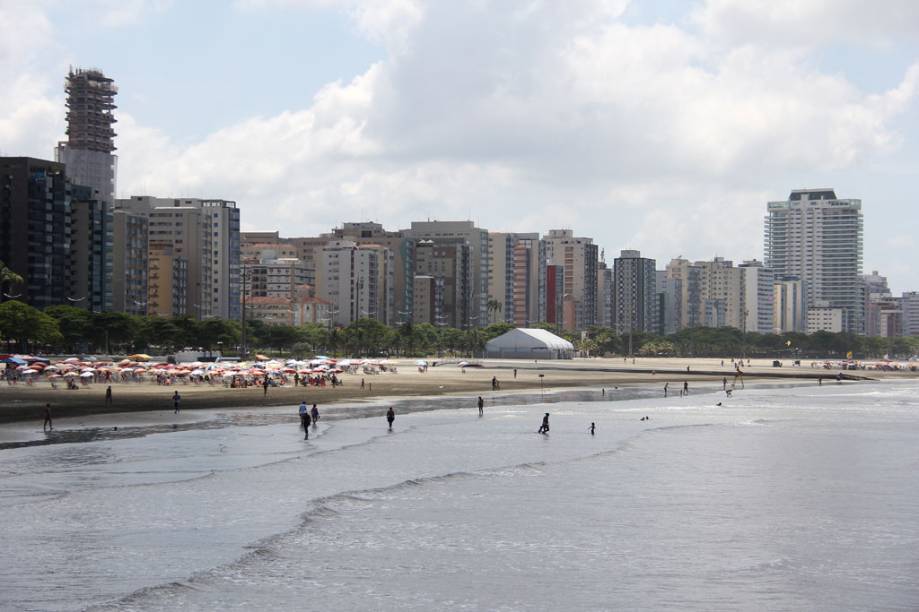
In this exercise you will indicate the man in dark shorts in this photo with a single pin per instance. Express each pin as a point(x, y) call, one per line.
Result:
point(47, 425)
point(176, 398)
point(315, 414)
point(481, 406)
point(306, 425)
point(390, 417)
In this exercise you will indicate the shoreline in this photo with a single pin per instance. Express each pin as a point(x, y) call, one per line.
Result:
point(23, 403)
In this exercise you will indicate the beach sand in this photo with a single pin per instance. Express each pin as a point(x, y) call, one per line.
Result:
point(22, 403)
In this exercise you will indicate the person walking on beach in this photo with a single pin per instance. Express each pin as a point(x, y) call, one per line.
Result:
point(685, 388)
point(819, 381)
point(47, 425)
point(481, 406)
point(302, 412)
point(724, 383)
point(315, 414)
point(265, 386)
point(544, 428)
point(108, 396)
point(593, 428)
point(390, 417)
point(362, 384)
point(515, 373)
point(666, 388)
point(176, 398)
point(306, 425)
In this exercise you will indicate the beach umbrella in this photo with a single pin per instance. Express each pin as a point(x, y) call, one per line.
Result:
point(88, 370)
point(86, 375)
point(139, 370)
point(71, 360)
point(421, 362)
point(463, 364)
point(29, 371)
point(52, 368)
point(71, 375)
point(55, 377)
point(290, 370)
point(139, 357)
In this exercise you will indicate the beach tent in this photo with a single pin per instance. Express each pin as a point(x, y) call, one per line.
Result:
point(526, 343)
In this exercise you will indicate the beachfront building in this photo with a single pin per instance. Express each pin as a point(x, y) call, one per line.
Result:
point(449, 262)
point(824, 317)
point(683, 295)
point(129, 262)
point(910, 313)
point(90, 249)
point(518, 275)
point(788, 312)
point(578, 257)
point(818, 237)
point(270, 277)
point(401, 248)
point(356, 280)
point(167, 280)
point(469, 242)
point(524, 343)
point(205, 232)
point(634, 294)
point(297, 308)
point(758, 299)
point(424, 296)
point(35, 231)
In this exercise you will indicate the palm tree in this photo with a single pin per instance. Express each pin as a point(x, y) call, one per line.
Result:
point(494, 307)
point(7, 277)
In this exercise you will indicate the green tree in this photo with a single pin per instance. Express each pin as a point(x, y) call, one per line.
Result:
point(74, 325)
point(27, 326)
point(8, 279)
point(113, 330)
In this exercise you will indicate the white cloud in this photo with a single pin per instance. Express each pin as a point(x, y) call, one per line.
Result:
point(808, 22)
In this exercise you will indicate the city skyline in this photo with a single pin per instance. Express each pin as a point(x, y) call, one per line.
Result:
point(492, 135)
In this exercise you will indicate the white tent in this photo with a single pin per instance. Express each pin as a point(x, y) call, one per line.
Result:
point(525, 343)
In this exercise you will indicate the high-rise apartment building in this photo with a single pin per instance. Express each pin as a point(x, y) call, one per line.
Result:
point(449, 262)
point(356, 280)
point(270, 277)
point(635, 299)
point(683, 295)
point(35, 231)
point(167, 280)
point(758, 300)
point(910, 309)
point(402, 250)
point(579, 258)
point(788, 312)
point(206, 234)
point(88, 154)
point(129, 262)
point(476, 239)
point(90, 246)
point(518, 273)
point(818, 237)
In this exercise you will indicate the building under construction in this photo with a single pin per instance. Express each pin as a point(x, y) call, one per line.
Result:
point(90, 106)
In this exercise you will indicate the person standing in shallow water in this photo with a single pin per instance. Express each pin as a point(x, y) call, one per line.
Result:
point(544, 428)
point(315, 414)
point(47, 425)
point(176, 398)
point(306, 425)
point(302, 412)
point(593, 428)
point(481, 406)
point(390, 417)
point(108, 395)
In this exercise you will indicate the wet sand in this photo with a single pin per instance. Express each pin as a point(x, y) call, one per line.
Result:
point(23, 403)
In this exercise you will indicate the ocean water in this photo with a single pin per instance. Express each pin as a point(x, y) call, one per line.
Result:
point(801, 498)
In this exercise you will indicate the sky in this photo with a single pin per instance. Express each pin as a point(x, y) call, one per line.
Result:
point(658, 125)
